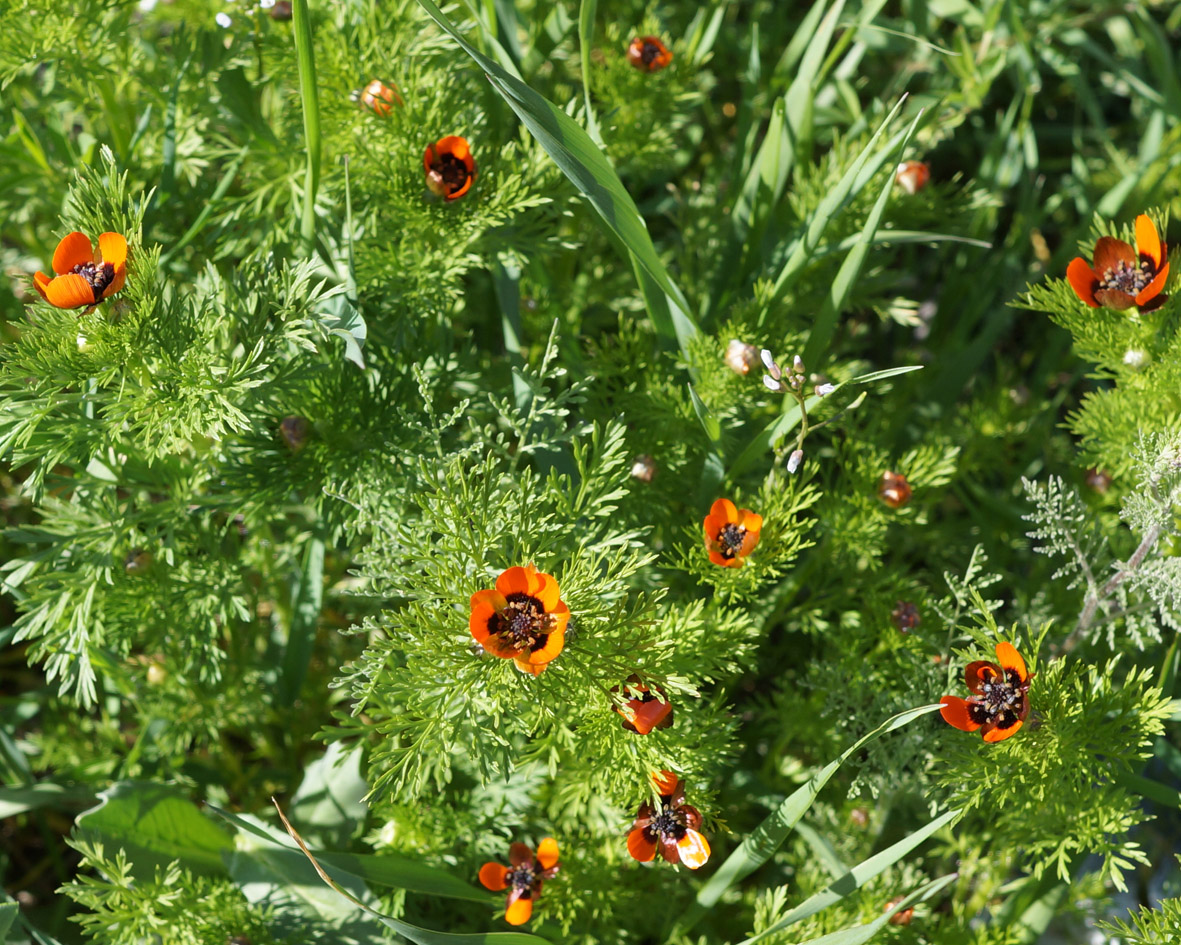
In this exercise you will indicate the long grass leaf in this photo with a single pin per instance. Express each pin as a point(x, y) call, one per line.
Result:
point(586, 34)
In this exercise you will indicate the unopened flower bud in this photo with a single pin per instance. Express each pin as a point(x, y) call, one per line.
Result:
point(794, 460)
point(1098, 480)
point(1135, 358)
point(797, 364)
point(281, 10)
point(156, 674)
point(899, 918)
point(859, 816)
point(740, 357)
point(912, 176)
point(905, 616)
point(294, 431)
point(769, 363)
point(138, 561)
point(893, 489)
point(378, 97)
point(772, 384)
point(643, 468)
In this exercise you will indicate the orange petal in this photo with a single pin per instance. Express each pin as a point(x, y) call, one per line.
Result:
point(116, 282)
point(428, 157)
point(665, 782)
point(725, 510)
point(694, 849)
point(40, 281)
point(69, 291)
point(648, 715)
point(955, 712)
point(749, 540)
point(640, 847)
point(1082, 280)
point(978, 673)
point(492, 876)
point(553, 646)
point(533, 669)
point(547, 852)
point(750, 521)
point(467, 185)
point(493, 600)
point(112, 248)
point(1000, 734)
point(518, 580)
point(547, 592)
point(1009, 658)
point(1147, 240)
point(518, 912)
point(1153, 289)
point(1109, 252)
point(74, 250)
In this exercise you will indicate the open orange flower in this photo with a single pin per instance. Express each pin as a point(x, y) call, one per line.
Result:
point(523, 878)
point(731, 533)
point(999, 704)
point(1120, 276)
point(83, 277)
point(648, 54)
point(523, 619)
point(450, 167)
point(645, 711)
point(673, 829)
point(379, 97)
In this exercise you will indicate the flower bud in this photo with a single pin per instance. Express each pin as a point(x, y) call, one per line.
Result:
point(899, 918)
point(893, 489)
point(1135, 358)
point(905, 616)
point(281, 10)
point(823, 390)
point(741, 357)
point(156, 674)
point(1098, 480)
point(860, 816)
point(643, 468)
point(794, 460)
point(378, 97)
point(912, 176)
point(797, 364)
point(138, 561)
point(294, 431)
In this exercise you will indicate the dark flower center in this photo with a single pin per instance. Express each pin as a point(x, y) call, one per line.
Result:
point(730, 538)
point(98, 275)
point(522, 877)
point(452, 170)
point(650, 53)
point(669, 824)
point(1001, 699)
point(1125, 277)
point(523, 622)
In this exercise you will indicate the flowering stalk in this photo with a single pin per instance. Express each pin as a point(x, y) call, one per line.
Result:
point(792, 382)
point(311, 120)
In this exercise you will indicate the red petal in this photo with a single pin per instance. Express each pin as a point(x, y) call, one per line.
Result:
point(640, 847)
point(1000, 734)
point(955, 713)
point(1109, 252)
point(978, 672)
point(1153, 289)
point(74, 250)
point(492, 876)
point(1082, 280)
point(70, 291)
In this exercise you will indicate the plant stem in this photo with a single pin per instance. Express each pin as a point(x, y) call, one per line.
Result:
point(311, 120)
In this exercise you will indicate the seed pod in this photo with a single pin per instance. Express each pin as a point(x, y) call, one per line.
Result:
point(741, 357)
point(893, 489)
point(294, 431)
point(643, 468)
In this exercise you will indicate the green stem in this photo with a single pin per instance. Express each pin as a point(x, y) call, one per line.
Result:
point(311, 120)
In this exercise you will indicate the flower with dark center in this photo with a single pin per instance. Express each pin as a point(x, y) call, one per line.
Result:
point(1121, 277)
point(450, 167)
point(523, 878)
point(646, 709)
point(672, 827)
point(998, 704)
point(648, 54)
point(731, 533)
point(84, 278)
point(522, 619)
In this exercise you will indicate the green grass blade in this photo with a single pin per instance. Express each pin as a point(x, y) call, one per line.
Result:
point(858, 876)
point(580, 159)
point(764, 840)
point(586, 34)
point(863, 933)
point(307, 592)
point(846, 278)
point(305, 59)
point(8, 911)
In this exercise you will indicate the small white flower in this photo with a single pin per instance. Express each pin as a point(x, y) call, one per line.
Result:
point(83, 344)
point(266, 4)
point(224, 20)
point(794, 460)
point(769, 361)
point(1135, 358)
point(823, 390)
point(771, 384)
point(797, 364)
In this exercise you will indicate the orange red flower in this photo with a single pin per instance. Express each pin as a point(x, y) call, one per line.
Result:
point(645, 711)
point(648, 54)
point(378, 97)
point(84, 277)
point(450, 167)
point(998, 704)
point(1119, 276)
point(731, 533)
point(893, 489)
point(912, 176)
point(523, 619)
point(673, 828)
point(522, 878)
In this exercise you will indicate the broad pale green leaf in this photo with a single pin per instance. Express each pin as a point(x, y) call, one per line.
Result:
point(580, 159)
point(858, 876)
point(765, 839)
point(330, 798)
point(156, 824)
point(17, 800)
point(8, 912)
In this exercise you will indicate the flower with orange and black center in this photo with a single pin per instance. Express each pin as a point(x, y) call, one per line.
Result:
point(1121, 277)
point(84, 278)
point(648, 54)
point(731, 533)
point(450, 167)
point(646, 709)
point(998, 704)
point(672, 828)
point(522, 878)
point(523, 619)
